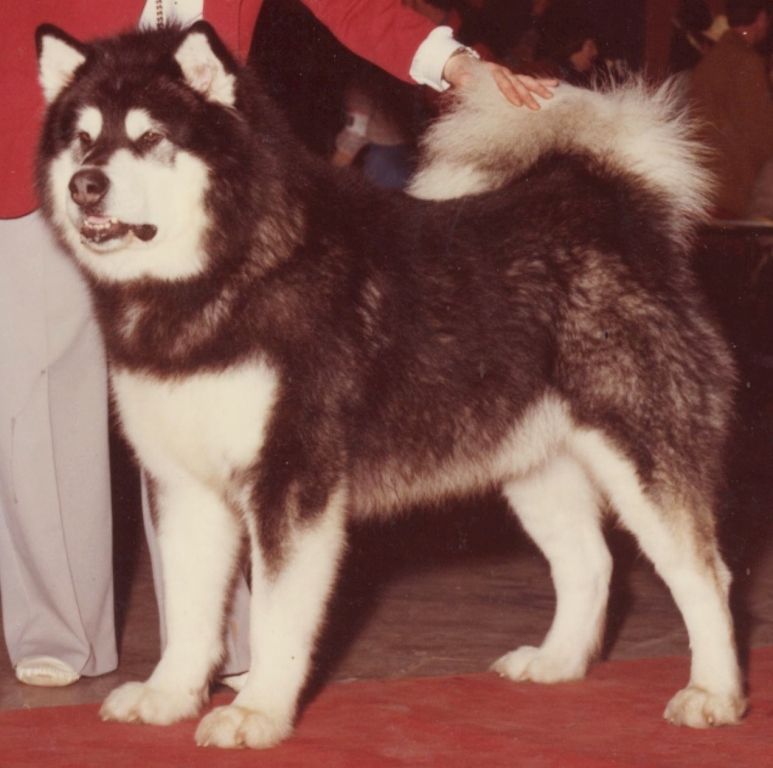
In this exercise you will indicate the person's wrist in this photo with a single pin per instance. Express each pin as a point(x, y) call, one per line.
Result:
point(456, 61)
point(464, 50)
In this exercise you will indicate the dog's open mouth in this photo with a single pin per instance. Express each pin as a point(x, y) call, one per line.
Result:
point(97, 230)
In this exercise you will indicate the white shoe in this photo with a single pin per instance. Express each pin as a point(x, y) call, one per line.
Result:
point(45, 671)
point(234, 682)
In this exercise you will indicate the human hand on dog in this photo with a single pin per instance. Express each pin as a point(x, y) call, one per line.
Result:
point(517, 89)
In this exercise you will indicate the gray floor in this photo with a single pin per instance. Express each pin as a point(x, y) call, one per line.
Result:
point(450, 592)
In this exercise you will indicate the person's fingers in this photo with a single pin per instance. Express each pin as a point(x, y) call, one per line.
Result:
point(520, 90)
point(512, 90)
point(539, 85)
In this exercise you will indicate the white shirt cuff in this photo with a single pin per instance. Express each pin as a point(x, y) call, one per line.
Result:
point(431, 57)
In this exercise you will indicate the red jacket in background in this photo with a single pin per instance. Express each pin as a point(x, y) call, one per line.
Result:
point(382, 31)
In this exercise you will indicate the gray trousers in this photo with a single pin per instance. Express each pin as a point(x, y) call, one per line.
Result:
point(56, 576)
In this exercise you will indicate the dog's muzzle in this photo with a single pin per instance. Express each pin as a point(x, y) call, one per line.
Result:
point(88, 189)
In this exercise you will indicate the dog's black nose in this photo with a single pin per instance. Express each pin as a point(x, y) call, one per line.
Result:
point(89, 187)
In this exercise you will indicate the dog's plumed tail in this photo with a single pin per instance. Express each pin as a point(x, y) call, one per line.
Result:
point(482, 142)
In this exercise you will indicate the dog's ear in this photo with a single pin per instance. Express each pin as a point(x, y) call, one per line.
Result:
point(59, 56)
point(206, 64)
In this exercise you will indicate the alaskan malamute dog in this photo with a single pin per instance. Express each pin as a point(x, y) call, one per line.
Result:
point(291, 349)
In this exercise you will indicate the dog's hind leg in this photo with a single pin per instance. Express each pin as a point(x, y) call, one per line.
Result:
point(684, 552)
point(559, 508)
point(286, 612)
point(199, 539)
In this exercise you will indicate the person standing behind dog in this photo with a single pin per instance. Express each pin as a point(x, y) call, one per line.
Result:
point(55, 515)
point(730, 89)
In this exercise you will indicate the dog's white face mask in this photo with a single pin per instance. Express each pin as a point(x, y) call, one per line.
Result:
point(127, 200)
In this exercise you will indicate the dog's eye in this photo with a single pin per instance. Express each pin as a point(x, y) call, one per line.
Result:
point(84, 137)
point(150, 139)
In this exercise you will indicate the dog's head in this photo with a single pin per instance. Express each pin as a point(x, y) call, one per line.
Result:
point(137, 128)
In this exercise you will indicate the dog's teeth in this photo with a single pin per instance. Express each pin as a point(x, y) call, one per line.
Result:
point(100, 223)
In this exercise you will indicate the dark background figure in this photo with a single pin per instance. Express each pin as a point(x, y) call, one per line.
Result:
point(309, 85)
point(531, 26)
point(575, 58)
point(689, 43)
point(379, 132)
point(731, 90)
point(315, 84)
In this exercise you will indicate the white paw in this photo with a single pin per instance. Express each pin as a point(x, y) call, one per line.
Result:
point(538, 666)
point(698, 708)
point(234, 726)
point(140, 703)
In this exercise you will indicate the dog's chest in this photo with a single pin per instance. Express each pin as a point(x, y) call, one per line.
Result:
point(206, 426)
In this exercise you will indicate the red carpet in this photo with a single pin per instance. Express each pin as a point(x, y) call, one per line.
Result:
point(611, 719)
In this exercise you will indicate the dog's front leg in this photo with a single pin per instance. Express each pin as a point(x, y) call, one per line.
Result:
point(199, 539)
point(287, 608)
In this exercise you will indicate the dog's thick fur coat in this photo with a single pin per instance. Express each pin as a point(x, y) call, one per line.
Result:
point(291, 349)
